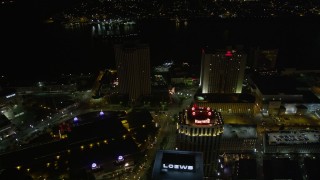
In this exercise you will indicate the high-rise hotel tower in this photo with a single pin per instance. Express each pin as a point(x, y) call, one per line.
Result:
point(133, 68)
point(200, 129)
point(222, 71)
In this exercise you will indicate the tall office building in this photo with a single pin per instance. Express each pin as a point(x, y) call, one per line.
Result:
point(200, 129)
point(133, 67)
point(222, 71)
point(265, 59)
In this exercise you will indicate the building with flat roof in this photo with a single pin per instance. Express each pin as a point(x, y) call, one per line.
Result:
point(200, 129)
point(281, 168)
point(312, 167)
point(283, 95)
point(247, 169)
point(9, 101)
point(6, 127)
point(227, 103)
point(295, 141)
point(184, 165)
point(238, 138)
point(96, 139)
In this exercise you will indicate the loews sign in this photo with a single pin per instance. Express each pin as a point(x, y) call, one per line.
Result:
point(177, 167)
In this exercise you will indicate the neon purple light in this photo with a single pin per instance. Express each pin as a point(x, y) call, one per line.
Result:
point(93, 165)
point(75, 119)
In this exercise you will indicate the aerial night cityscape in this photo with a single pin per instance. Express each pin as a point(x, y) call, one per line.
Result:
point(160, 90)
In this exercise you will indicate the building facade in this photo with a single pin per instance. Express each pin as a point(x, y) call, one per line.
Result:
point(200, 129)
point(222, 71)
point(133, 67)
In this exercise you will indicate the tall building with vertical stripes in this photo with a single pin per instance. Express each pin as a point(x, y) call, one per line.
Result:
point(200, 129)
point(222, 71)
point(133, 68)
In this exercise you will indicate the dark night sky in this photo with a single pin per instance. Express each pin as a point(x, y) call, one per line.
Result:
point(32, 48)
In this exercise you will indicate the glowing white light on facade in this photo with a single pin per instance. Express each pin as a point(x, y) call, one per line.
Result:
point(75, 119)
point(94, 165)
point(11, 95)
point(120, 158)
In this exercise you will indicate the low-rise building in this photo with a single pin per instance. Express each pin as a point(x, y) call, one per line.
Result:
point(278, 95)
point(295, 141)
point(238, 139)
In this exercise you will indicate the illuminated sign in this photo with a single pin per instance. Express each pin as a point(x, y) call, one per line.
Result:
point(176, 164)
point(202, 114)
point(177, 167)
point(206, 121)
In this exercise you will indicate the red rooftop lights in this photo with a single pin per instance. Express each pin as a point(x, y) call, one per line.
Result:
point(228, 54)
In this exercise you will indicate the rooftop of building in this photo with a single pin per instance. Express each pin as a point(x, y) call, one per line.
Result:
point(101, 135)
point(286, 86)
point(4, 121)
point(293, 137)
point(202, 116)
point(224, 98)
point(281, 168)
point(239, 131)
point(247, 169)
point(312, 168)
point(309, 97)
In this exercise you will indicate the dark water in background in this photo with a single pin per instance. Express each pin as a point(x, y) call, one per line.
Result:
point(34, 50)
point(298, 40)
